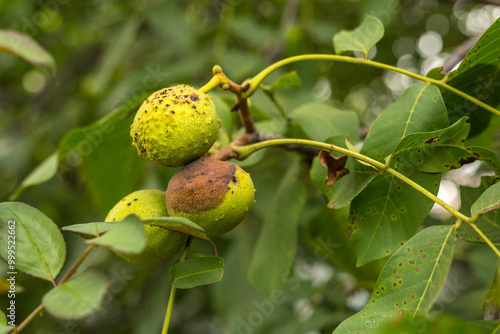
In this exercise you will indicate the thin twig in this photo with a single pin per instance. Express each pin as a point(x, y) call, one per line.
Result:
point(28, 319)
point(75, 266)
point(171, 298)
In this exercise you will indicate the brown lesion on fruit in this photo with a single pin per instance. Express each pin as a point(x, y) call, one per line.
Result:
point(200, 186)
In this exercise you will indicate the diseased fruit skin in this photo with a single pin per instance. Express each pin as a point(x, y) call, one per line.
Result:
point(161, 244)
point(175, 126)
point(215, 194)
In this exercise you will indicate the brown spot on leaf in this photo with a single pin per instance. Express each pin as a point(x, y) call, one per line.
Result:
point(336, 166)
point(430, 140)
point(467, 160)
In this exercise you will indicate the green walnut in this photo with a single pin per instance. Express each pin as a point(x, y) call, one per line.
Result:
point(175, 126)
point(215, 194)
point(161, 244)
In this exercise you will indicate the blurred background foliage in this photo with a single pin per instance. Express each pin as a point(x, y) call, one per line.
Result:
point(106, 52)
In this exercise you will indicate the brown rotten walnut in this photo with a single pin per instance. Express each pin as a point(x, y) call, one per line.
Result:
point(215, 194)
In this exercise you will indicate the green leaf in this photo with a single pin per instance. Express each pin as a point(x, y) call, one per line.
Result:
point(478, 76)
point(90, 229)
point(290, 79)
point(78, 297)
point(275, 248)
point(487, 205)
point(486, 138)
point(409, 283)
point(128, 237)
point(441, 150)
point(427, 151)
point(179, 224)
point(39, 245)
point(320, 121)
point(196, 271)
point(488, 223)
point(362, 39)
point(23, 46)
point(182, 225)
point(42, 173)
point(488, 201)
point(387, 213)
point(419, 109)
point(4, 328)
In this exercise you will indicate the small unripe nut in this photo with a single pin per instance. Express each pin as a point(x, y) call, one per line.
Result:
point(175, 126)
point(161, 244)
point(215, 194)
point(216, 69)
